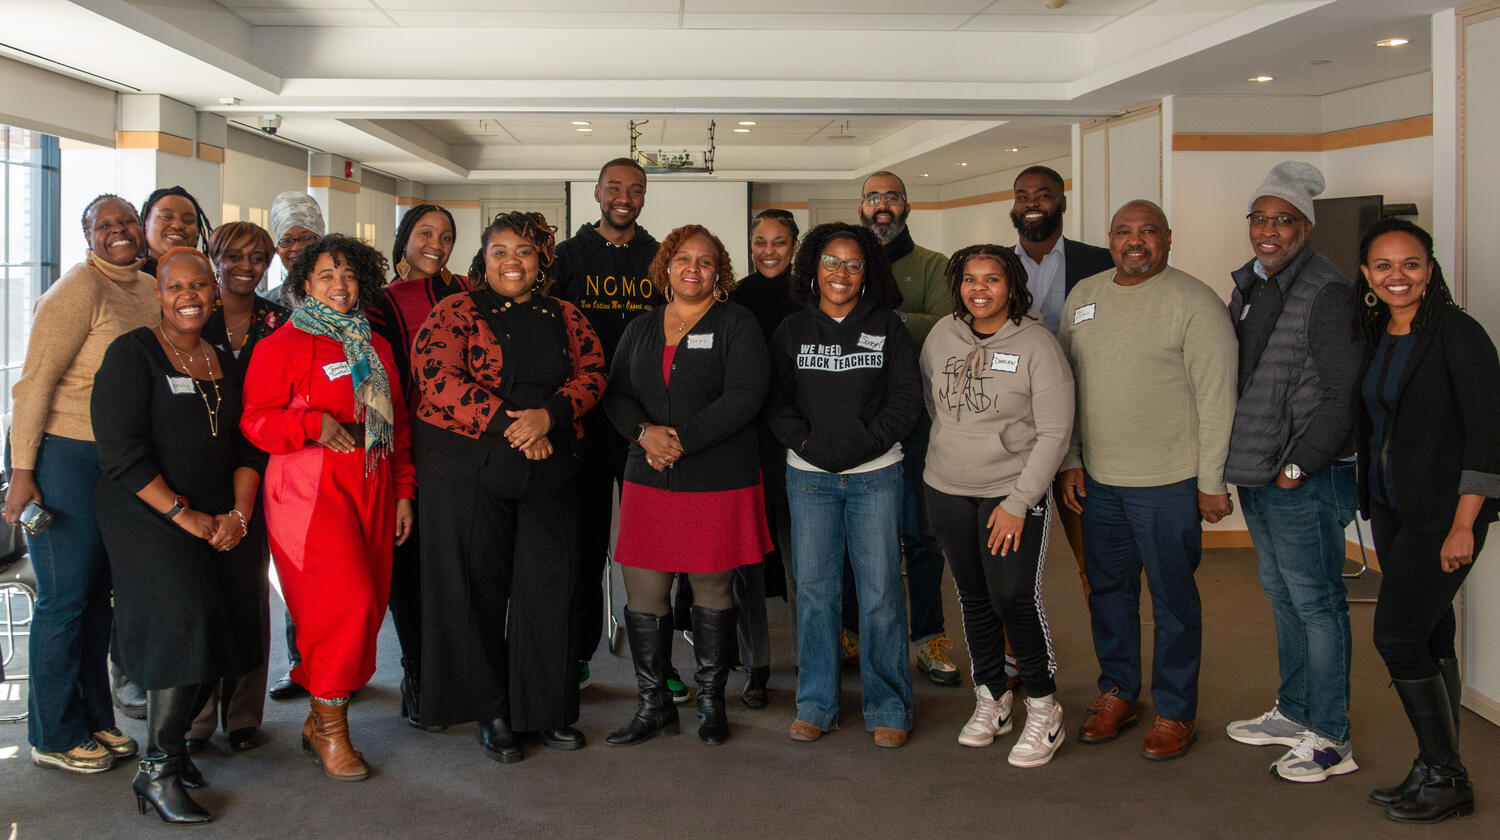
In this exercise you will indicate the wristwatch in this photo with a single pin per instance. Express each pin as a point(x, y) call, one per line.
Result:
point(640, 431)
point(1292, 471)
point(179, 504)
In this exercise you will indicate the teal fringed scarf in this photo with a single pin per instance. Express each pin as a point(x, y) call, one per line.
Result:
point(372, 391)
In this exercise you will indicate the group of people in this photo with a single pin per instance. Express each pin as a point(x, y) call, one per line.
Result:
point(450, 447)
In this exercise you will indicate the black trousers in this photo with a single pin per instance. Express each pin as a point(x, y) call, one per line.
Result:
point(500, 555)
point(406, 593)
point(1000, 597)
point(603, 470)
point(1414, 621)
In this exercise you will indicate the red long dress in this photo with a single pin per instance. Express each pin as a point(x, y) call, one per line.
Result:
point(331, 527)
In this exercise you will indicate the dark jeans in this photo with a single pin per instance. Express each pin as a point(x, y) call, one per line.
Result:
point(1414, 622)
point(924, 560)
point(70, 627)
point(1001, 597)
point(603, 466)
point(1126, 529)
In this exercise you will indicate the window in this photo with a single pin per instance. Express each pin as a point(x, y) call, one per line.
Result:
point(29, 196)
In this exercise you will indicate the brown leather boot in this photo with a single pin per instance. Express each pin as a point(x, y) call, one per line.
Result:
point(325, 736)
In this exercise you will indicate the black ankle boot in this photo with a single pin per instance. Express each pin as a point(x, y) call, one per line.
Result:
point(411, 695)
point(754, 695)
point(1445, 790)
point(713, 633)
point(499, 742)
point(651, 652)
point(158, 784)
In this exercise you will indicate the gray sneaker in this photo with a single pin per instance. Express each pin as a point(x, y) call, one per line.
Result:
point(1314, 759)
point(1270, 728)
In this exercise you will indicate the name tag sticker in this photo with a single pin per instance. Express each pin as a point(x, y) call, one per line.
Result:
point(1005, 362)
point(871, 342)
point(1083, 313)
point(1245, 313)
point(701, 342)
point(180, 385)
point(336, 370)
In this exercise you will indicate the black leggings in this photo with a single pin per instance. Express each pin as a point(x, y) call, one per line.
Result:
point(648, 591)
point(1000, 596)
point(1414, 623)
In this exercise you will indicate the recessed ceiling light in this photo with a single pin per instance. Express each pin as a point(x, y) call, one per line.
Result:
point(1393, 42)
point(963, 163)
point(1015, 148)
point(747, 122)
point(742, 131)
point(925, 175)
point(1318, 62)
point(583, 130)
point(581, 122)
point(1262, 79)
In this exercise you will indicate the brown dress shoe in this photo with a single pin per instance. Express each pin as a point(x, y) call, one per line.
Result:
point(1169, 738)
point(803, 730)
point(889, 736)
point(1108, 715)
point(325, 736)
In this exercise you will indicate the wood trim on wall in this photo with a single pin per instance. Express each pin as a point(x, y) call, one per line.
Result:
point(1348, 138)
point(948, 204)
point(210, 153)
point(328, 182)
point(155, 140)
point(451, 204)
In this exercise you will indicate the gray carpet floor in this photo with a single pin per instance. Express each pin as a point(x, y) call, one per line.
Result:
point(763, 785)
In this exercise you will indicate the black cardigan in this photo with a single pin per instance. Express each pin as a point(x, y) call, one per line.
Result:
point(719, 376)
point(1444, 434)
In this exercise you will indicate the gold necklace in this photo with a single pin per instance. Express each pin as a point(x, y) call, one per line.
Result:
point(213, 412)
point(230, 331)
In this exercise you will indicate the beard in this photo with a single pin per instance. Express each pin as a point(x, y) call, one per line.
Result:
point(1287, 254)
point(1039, 230)
point(887, 231)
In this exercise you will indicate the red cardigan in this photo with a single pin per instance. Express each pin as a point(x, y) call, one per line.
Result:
point(457, 362)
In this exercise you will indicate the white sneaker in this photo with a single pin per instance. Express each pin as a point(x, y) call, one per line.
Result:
point(1270, 728)
point(991, 717)
point(1314, 759)
point(1042, 735)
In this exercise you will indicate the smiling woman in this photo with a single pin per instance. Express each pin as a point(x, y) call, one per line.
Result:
point(171, 218)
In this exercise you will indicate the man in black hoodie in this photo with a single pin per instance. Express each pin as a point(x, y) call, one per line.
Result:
point(604, 271)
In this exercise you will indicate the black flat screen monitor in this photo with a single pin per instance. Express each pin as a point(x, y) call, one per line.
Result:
point(1340, 224)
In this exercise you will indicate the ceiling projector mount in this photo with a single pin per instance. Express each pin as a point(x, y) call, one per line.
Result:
point(663, 161)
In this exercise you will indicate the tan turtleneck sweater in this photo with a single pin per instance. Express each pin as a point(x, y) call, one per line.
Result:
point(76, 320)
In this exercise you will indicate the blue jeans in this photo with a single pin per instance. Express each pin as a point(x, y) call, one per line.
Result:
point(1158, 528)
point(862, 512)
point(70, 629)
point(1299, 544)
point(924, 560)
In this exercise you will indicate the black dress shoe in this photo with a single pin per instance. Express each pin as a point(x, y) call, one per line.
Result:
point(195, 745)
point(566, 738)
point(245, 738)
point(499, 742)
point(286, 688)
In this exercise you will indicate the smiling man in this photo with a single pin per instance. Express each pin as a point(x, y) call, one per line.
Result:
point(603, 270)
point(1292, 456)
point(1153, 356)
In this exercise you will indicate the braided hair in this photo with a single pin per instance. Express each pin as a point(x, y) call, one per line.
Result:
point(1370, 313)
point(204, 228)
point(409, 223)
point(531, 227)
point(1018, 296)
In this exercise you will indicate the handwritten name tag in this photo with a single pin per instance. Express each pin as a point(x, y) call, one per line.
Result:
point(180, 384)
point(871, 342)
point(1005, 362)
point(701, 342)
point(336, 370)
point(1083, 313)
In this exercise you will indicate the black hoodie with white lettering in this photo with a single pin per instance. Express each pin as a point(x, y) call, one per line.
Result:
point(610, 284)
point(843, 392)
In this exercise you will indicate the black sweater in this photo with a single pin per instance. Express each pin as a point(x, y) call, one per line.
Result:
point(1443, 439)
point(843, 392)
point(609, 283)
point(718, 385)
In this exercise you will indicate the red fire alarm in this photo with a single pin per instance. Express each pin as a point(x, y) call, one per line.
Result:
point(348, 169)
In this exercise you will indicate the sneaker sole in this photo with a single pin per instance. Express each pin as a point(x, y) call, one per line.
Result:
point(1342, 768)
point(1264, 740)
point(939, 677)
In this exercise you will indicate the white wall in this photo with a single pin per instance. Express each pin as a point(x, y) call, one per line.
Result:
point(250, 183)
point(721, 206)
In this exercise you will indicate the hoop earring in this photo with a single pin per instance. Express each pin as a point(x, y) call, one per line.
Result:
point(1370, 299)
point(815, 287)
point(719, 294)
point(668, 293)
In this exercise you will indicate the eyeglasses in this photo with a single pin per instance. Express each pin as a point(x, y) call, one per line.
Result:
point(874, 199)
point(292, 241)
point(1282, 221)
point(832, 264)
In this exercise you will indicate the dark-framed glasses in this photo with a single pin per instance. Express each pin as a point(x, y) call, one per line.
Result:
point(1281, 220)
point(874, 199)
point(832, 264)
point(292, 241)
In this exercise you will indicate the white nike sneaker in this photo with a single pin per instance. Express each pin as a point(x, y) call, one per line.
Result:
point(991, 717)
point(1042, 735)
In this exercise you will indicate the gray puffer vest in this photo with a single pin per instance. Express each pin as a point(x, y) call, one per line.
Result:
point(1281, 395)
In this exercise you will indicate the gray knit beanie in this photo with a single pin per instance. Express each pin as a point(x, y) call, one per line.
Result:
point(1294, 182)
point(295, 208)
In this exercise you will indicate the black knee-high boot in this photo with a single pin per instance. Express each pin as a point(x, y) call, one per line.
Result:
point(169, 713)
point(1448, 669)
point(1445, 790)
point(651, 652)
point(713, 634)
